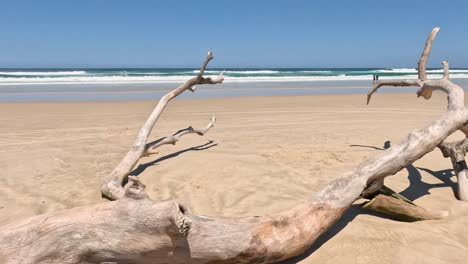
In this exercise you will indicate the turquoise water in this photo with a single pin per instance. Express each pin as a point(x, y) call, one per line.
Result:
point(136, 84)
point(69, 76)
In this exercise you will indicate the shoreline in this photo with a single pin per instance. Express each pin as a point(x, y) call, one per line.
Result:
point(86, 92)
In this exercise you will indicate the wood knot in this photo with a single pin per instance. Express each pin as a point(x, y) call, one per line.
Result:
point(182, 222)
point(135, 189)
point(183, 226)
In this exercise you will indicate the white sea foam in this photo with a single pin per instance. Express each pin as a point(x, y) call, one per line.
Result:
point(26, 73)
point(410, 70)
point(90, 79)
point(313, 71)
point(451, 71)
point(177, 79)
point(398, 70)
point(241, 72)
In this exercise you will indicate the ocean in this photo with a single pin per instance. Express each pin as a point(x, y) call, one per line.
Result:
point(138, 83)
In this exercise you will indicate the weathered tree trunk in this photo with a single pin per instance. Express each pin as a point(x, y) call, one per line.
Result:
point(136, 229)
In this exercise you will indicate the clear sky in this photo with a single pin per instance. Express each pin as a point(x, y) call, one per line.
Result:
point(293, 33)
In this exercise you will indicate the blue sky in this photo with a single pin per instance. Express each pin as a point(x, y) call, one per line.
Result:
point(251, 33)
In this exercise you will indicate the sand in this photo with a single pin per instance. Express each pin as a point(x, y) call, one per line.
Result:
point(264, 155)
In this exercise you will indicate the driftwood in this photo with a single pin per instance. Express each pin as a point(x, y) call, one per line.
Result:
point(386, 201)
point(456, 150)
point(151, 147)
point(136, 229)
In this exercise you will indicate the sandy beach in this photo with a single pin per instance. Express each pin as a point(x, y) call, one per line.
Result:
point(264, 155)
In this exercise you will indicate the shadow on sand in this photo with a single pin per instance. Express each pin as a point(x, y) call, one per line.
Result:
point(142, 167)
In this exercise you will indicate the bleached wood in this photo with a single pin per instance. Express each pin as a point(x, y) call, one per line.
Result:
point(151, 147)
point(425, 54)
point(135, 229)
point(445, 63)
point(395, 83)
point(455, 98)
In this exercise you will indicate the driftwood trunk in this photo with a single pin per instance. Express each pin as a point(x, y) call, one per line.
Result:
point(135, 229)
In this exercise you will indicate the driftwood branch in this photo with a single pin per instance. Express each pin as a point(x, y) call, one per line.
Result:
point(151, 147)
point(455, 96)
point(422, 76)
point(456, 100)
point(425, 54)
point(136, 229)
point(397, 83)
point(111, 186)
point(445, 63)
point(454, 92)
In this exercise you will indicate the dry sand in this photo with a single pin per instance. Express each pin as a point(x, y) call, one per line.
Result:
point(266, 154)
